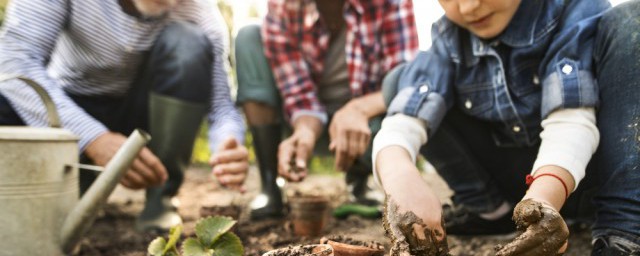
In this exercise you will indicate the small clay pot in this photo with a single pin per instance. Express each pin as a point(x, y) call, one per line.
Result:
point(350, 247)
point(303, 250)
point(308, 214)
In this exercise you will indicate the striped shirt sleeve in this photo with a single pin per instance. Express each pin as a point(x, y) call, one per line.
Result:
point(27, 39)
point(224, 119)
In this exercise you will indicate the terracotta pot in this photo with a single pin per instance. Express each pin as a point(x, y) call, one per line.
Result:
point(303, 250)
point(308, 214)
point(344, 249)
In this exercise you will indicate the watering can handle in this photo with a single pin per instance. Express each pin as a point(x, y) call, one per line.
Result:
point(52, 112)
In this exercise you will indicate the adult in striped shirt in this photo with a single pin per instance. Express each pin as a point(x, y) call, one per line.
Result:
point(324, 61)
point(112, 66)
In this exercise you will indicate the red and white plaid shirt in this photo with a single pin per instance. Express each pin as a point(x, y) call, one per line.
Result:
point(380, 35)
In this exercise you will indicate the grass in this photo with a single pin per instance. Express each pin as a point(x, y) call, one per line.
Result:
point(319, 164)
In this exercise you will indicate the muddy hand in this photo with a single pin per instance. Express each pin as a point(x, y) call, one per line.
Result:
point(409, 235)
point(545, 232)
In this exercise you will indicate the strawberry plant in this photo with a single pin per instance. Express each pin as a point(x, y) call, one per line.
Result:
point(213, 238)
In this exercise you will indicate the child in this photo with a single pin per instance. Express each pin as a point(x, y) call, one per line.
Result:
point(507, 89)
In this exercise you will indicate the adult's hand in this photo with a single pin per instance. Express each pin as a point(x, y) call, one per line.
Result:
point(295, 151)
point(145, 171)
point(350, 135)
point(545, 232)
point(413, 213)
point(230, 164)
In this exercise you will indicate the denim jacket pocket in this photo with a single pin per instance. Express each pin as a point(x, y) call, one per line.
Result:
point(477, 101)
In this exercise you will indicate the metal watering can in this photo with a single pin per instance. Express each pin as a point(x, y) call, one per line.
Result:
point(40, 213)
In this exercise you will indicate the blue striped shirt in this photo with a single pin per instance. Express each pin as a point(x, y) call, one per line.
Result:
point(92, 48)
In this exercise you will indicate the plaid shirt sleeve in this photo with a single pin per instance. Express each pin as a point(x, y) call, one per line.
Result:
point(282, 48)
point(399, 35)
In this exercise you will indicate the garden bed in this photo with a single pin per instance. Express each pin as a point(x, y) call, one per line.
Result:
point(113, 232)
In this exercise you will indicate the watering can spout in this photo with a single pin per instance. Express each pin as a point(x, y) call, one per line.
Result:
point(82, 215)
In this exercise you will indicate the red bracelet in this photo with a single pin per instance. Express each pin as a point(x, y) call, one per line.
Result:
point(530, 179)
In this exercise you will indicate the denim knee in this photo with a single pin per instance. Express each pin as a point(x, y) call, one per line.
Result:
point(181, 62)
point(618, 198)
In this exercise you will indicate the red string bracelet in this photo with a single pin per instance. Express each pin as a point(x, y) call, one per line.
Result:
point(530, 179)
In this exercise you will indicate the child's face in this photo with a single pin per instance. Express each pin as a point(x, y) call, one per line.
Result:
point(484, 18)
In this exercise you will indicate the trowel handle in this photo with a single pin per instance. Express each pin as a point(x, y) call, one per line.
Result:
point(52, 112)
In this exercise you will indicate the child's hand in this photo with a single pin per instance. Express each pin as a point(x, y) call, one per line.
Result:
point(545, 233)
point(230, 164)
point(410, 234)
point(413, 213)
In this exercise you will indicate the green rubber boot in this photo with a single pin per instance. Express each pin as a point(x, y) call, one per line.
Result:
point(173, 125)
point(268, 204)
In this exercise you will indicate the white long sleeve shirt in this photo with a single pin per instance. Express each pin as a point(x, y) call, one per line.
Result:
point(92, 48)
point(569, 139)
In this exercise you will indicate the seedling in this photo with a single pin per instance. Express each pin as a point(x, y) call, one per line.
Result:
point(213, 238)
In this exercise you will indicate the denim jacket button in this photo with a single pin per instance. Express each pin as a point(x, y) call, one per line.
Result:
point(423, 89)
point(468, 104)
point(536, 80)
point(516, 128)
point(567, 69)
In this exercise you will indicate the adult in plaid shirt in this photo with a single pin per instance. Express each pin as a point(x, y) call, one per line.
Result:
point(323, 62)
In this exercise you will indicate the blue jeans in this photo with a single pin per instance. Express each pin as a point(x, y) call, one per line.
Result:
point(178, 65)
point(617, 56)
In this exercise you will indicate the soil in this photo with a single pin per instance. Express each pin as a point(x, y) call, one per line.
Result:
point(113, 232)
point(300, 250)
point(351, 241)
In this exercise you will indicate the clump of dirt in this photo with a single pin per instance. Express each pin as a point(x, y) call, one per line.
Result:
point(232, 211)
point(303, 250)
point(544, 230)
point(348, 240)
point(293, 251)
point(409, 235)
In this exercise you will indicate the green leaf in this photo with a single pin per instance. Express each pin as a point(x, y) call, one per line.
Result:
point(174, 235)
point(193, 247)
point(210, 229)
point(228, 245)
point(157, 246)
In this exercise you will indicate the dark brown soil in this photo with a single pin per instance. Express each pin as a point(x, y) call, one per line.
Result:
point(113, 233)
point(293, 251)
point(233, 211)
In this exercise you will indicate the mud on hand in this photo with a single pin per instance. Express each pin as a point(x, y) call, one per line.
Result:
point(409, 235)
point(545, 232)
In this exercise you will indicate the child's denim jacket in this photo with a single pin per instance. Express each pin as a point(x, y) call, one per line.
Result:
point(540, 63)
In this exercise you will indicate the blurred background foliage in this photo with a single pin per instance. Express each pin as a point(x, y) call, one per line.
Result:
point(3, 3)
